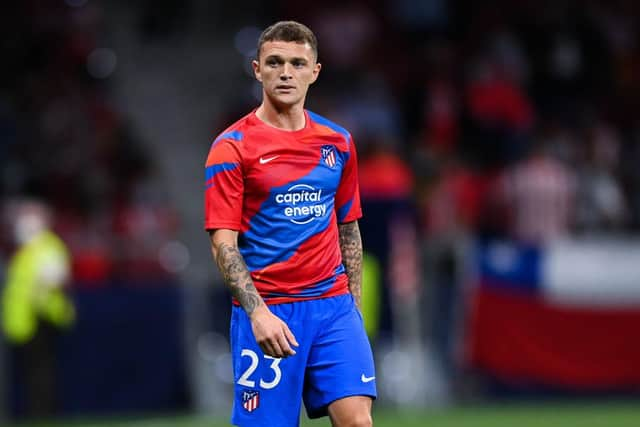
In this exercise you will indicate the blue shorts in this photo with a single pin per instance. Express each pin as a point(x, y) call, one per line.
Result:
point(334, 360)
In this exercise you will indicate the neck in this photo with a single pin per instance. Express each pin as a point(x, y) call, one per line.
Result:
point(290, 117)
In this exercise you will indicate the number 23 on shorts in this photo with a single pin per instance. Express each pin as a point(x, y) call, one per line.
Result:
point(245, 379)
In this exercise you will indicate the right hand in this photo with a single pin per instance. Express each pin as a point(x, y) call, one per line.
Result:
point(272, 335)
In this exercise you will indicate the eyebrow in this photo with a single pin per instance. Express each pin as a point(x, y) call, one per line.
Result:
point(281, 59)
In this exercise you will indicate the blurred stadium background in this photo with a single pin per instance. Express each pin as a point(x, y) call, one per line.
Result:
point(499, 145)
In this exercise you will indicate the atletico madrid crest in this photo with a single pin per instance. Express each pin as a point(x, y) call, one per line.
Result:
point(250, 400)
point(329, 155)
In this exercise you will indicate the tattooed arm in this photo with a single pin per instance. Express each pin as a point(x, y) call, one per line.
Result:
point(271, 333)
point(351, 248)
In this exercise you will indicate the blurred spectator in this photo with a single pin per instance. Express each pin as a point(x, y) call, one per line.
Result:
point(386, 189)
point(535, 197)
point(34, 304)
point(630, 177)
point(384, 175)
point(601, 205)
point(451, 207)
point(452, 203)
point(346, 32)
point(499, 112)
point(439, 121)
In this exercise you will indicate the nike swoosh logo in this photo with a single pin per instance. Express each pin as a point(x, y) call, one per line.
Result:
point(366, 379)
point(267, 160)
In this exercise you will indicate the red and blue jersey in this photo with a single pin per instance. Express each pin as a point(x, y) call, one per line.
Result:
point(285, 193)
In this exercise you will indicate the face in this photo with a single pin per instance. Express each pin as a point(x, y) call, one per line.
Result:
point(286, 69)
point(27, 226)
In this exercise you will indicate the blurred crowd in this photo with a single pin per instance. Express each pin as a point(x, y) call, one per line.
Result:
point(514, 119)
point(66, 143)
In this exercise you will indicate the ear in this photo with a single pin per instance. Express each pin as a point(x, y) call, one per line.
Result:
point(316, 72)
point(256, 70)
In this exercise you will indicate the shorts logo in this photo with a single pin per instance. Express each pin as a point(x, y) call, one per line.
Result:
point(328, 155)
point(302, 203)
point(366, 379)
point(250, 400)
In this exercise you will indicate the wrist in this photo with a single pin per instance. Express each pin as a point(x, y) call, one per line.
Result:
point(259, 311)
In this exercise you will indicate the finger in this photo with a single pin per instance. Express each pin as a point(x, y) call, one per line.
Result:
point(274, 347)
point(284, 345)
point(290, 337)
point(267, 348)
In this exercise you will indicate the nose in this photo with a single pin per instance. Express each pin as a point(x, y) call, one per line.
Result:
point(286, 72)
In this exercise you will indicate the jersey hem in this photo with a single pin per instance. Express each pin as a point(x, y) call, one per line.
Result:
point(285, 300)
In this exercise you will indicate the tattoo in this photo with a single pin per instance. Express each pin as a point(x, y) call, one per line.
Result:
point(237, 277)
point(351, 248)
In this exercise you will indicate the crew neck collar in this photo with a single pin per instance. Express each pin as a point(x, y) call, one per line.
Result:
point(307, 123)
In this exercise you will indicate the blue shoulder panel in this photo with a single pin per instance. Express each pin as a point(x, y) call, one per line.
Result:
point(328, 123)
point(236, 135)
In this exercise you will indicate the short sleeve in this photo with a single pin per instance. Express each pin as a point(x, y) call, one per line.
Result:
point(348, 195)
point(224, 186)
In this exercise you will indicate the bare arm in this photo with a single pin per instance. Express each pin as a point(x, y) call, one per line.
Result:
point(233, 269)
point(271, 333)
point(351, 248)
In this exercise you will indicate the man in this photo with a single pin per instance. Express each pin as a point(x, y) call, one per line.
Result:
point(282, 206)
point(537, 195)
point(34, 305)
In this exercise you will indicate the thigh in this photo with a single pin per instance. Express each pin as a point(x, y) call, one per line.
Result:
point(340, 359)
point(267, 390)
point(352, 410)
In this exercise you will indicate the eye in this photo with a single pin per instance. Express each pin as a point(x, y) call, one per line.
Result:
point(298, 64)
point(272, 63)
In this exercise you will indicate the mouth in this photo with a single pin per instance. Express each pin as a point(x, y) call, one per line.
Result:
point(285, 87)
